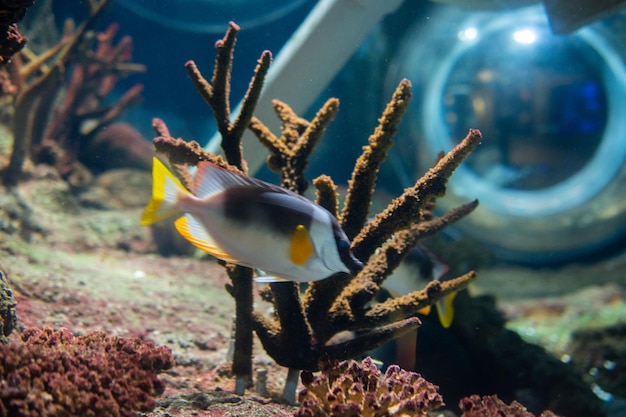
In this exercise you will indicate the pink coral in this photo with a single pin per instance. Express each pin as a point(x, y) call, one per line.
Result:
point(350, 388)
point(54, 373)
point(492, 406)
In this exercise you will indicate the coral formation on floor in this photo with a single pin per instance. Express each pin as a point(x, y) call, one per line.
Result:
point(350, 388)
point(54, 373)
point(492, 406)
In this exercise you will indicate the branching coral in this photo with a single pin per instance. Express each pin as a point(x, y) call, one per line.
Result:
point(54, 373)
point(55, 134)
point(300, 333)
point(216, 94)
point(350, 388)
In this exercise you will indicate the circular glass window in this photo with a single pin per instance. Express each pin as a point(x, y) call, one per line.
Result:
point(209, 16)
point(550, 174)
point(543, 114)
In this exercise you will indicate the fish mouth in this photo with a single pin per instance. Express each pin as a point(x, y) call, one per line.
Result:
point(351, 264)
point(349, 260)
point(355, 265)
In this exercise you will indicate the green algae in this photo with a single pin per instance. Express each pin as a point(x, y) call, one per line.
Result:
point(586, 309)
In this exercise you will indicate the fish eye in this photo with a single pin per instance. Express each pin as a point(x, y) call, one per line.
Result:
point(343, 245)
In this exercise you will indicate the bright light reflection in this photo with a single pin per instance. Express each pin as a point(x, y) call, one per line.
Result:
point(525, 36)
point(468, 34)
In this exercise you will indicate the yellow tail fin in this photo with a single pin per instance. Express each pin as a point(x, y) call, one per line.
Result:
point(165, 190)
point(445, 310)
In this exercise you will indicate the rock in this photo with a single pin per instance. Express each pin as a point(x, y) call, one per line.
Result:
point(8, 318)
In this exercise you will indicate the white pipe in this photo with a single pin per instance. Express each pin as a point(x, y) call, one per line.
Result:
point(307, 63)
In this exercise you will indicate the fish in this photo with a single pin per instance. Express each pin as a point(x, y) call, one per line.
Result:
point(418, 266)
point(252, 223)
point(422, 264)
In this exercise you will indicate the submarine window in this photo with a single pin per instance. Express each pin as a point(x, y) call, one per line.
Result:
point(540, 100)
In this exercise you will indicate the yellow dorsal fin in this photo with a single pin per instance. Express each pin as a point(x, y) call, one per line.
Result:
point(182, 225)
point(300, 248)
point(445, 310)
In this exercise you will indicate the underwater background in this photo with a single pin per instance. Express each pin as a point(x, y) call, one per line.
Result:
point(522, 262)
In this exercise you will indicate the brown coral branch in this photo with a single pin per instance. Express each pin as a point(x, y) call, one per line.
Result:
point(204, 88)
point(160, 128)
point(361, 186)
point(94, 76)
point(95, 8)
point(107, 115)
point(362, 289)
point(290, 152)
point(216, 94)
point(346, 295)
point(270, 335)
point(288, 351)
point(326, 192)
point(292, 125)
point(276, 146)
point(252, 96)
point(181, 152)
point(221, 75)
point(178, 150)
point(314, 131)
point(404, 306)
point(293, 172)
point(318, 299)
point(406, 209)
point(403, 241)
point(289, 311)
point(38, 63)
point(372, 339)
point(243, 293)
point(289, 336)
point(31, 113)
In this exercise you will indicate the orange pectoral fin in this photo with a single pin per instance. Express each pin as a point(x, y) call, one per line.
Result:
point(183, 227)
point(300, 248)
point(424, 310)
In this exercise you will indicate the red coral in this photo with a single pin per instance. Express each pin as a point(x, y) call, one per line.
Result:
point(11, 41)
point(492, 406)
point(54, 373)
point(350, 388)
